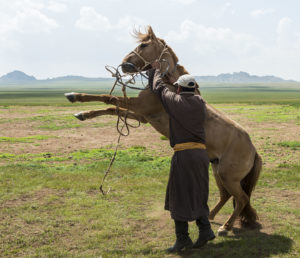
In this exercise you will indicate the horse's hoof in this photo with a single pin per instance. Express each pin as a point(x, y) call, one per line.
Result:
point(222, 231)
point(70, 96)
point(79, 116)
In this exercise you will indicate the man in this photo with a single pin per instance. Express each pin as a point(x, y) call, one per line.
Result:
point(187, 190)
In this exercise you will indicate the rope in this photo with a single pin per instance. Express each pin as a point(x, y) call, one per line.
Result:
point(121, 77)
point(120, 131)
point(120, 119)
point(109, 167)
point(119, 82)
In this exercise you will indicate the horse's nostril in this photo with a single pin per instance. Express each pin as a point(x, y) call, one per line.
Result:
point(127, 68)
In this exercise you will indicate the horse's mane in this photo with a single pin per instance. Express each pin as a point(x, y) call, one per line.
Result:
point(144, 37)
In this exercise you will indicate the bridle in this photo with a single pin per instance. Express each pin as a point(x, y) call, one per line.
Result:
point(146, 63)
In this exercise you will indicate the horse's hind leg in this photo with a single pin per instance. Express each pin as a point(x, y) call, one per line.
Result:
point(109, 111)
point(241, 199)
point(224, 195)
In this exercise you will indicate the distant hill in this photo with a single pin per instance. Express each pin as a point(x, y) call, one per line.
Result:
point(76, 78)
point(18, 77)
point(240, 77)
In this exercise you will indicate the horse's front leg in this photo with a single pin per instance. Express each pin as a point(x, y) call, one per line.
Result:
point(128, 103)
point(110, 111)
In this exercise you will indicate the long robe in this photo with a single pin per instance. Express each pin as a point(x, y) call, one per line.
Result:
point(187, 190)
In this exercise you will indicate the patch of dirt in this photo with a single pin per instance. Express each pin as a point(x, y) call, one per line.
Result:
point(38, 196)
point(162, 219)
point(73, 139)
point(265, 135)
point(279, 195)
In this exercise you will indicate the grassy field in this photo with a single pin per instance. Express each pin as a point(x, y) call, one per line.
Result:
point(51, 166)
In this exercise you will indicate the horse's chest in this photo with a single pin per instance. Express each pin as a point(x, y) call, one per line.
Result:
point(160, 122)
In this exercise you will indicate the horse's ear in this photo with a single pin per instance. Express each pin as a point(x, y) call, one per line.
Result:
point(151, 33)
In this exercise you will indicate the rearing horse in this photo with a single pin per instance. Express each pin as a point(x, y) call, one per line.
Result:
point(236, 164)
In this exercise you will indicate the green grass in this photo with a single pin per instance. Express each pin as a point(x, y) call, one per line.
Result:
point(164, 138)
point(55, 199)
point(286, 176)
point(264, 113)
point(50, 205)
point(268, 93)
point(51, 94)
point(26, 139)
point(295, 145)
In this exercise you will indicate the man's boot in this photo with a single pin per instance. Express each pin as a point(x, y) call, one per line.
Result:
point(183, 240)
point(205, 232)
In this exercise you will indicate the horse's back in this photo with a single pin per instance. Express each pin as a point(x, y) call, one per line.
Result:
point(229, 141)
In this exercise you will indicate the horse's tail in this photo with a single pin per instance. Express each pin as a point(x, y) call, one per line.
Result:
point(248, 215)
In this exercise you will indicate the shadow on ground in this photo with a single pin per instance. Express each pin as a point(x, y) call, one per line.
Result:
point(242, 244)
point(245, 243)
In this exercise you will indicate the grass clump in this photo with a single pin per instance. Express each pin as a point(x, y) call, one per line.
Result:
point(285, 176)
point(27, 139)
point(164, 138)
point(295, 145)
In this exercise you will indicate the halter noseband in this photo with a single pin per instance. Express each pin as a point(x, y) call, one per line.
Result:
point(146, 63)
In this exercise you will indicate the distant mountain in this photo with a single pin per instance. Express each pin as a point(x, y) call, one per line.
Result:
point(76, 78)
point(240, 77)
point(17, 77)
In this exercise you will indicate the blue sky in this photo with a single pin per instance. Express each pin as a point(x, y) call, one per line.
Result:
point(48, 38)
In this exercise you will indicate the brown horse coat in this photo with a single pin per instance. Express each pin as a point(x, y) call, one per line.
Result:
point(236, 165)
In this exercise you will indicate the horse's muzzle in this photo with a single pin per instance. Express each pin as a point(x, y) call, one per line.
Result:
point(128, 68)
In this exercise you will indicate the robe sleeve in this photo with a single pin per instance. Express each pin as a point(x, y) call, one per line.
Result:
point(159, 87)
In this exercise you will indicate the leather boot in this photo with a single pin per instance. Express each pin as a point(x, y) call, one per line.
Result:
point(183, 240)
point(205, 232)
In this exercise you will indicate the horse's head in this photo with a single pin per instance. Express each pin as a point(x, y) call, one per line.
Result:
point(150, 49)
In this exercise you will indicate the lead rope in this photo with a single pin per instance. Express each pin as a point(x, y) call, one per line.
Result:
point(120, 131)
point(126, 125)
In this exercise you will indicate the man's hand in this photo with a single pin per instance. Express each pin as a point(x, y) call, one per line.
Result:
point(171, 78)
point(156, 64)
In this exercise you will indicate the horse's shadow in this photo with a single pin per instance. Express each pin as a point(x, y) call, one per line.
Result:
point(244, 243)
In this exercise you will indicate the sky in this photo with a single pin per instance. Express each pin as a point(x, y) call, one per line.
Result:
point(50, 38)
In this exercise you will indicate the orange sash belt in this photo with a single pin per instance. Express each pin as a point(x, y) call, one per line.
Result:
point(188, 146)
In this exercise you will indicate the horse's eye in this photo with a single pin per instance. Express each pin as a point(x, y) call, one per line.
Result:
point(143, 45)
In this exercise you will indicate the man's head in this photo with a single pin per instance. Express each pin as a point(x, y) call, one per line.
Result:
point(186, 83)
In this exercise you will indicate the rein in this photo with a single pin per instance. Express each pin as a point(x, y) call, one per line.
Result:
point(126, 84)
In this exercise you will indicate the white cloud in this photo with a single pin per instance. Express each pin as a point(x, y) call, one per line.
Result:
point(128, 22)
point(283, 25)
point(261, 12)
point(184, 2)
point(22, 17)
point(91, 20)
point(33, 21)
point(57, 7)
point(25, 17)
point(287, 36)
point(28, 21)
point(209, 40)
point(226, 7)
